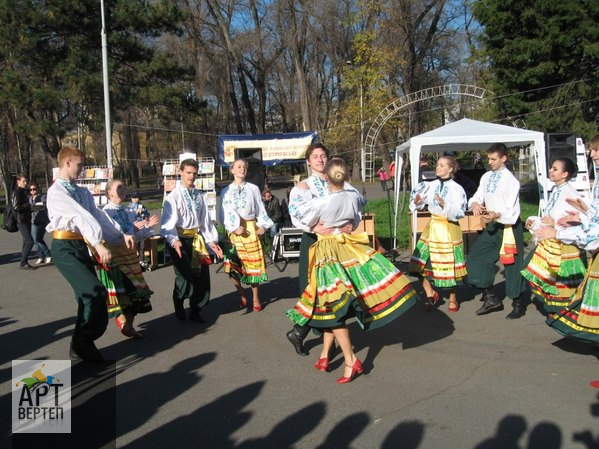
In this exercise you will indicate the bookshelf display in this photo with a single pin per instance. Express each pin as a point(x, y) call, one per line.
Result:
point(94, 179)
point(205, 180)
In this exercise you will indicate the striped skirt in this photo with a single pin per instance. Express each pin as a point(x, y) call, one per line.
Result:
point(554, 272)
point(348, 278)
point(244, 257)
point(439, 253)
point(127, 289)
point(580, 320)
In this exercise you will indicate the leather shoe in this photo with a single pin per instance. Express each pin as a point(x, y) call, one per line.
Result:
point(179, 311)
point(85, 351)
point(489, 306)
point(194, 315)
point(518, 310)
point(296, 338)
point(28, 267)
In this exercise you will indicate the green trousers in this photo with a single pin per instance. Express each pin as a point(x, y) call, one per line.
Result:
point(308, 240)
point(73, 261)
point(189, 283)
point(481, 260)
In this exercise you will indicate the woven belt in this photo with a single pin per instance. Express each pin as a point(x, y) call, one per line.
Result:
point(187, 233)
point(66, 235)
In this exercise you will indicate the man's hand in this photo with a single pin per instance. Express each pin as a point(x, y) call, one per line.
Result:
point(321, 229)
point(103, 253)
point(214, 247)
point(348, 228)
point(578, 204)
point(240, 230)
point(129, 241)
point(476, 209)
point(139, 224)
point(547, 221)
point(260, 230)
point(490, 216)
point(544, 232)
point(176, 244)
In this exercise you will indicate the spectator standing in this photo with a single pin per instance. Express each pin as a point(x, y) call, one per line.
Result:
point(383, 177)
point(39, 221)
point(19, 200)
point(273, 210)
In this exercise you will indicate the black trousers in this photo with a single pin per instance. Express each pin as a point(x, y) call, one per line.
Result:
point(25, 230)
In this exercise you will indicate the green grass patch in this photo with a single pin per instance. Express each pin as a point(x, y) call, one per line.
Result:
point(383, 220)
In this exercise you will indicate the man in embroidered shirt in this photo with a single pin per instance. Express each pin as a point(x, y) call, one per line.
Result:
point(502, 238)
point(76, 223)
point(186, 225)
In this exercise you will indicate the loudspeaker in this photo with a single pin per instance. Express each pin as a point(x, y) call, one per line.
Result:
point(560, 145)
point(253, 156)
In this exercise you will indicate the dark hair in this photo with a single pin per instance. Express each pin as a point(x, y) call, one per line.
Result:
point(189, 162)
point(498, 148)
point(315, 146)
point(135, 195)
point(568, 166)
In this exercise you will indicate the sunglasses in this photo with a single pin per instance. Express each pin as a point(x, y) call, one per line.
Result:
point(33, 190)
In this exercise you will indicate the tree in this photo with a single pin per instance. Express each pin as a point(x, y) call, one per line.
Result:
point(543, 57)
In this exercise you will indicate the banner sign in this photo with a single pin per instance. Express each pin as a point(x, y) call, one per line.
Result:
point(276, 148)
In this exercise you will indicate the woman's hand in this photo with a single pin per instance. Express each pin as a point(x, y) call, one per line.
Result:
point(547, 221)
point(440, 200)
point(260, 230)
point(578, 204)
point(217, 250)
point(240, 230)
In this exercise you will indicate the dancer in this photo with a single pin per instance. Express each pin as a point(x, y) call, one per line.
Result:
point(39, 221)
point(580, 319)
point(439, 254)
point(315, 186)
point(502, 239)
point(128, 292)
point(245, 219)
point(346, 276)
point(78, 226)
point(19, 201)
point(186, 225)
point(555, 269)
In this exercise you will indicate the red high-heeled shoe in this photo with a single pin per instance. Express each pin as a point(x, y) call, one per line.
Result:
point(322, 364)
point(258, 308)
point(127, 331)
point(356, 368)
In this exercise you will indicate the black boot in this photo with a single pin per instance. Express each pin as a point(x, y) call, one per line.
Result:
point(297, 336)
point(83, 348)
point(490, 302)
point(519, 309)
point(179, 310)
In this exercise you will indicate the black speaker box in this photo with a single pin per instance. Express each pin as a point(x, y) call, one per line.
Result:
point(560, 145)
point(253, 156)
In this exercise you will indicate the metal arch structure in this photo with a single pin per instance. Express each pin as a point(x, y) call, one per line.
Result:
point(368, 149)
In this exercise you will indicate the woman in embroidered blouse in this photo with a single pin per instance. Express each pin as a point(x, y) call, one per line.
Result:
point(346, 276)
point(128, 292)
point(439, 254)
point(555, 269)
point(245, 219)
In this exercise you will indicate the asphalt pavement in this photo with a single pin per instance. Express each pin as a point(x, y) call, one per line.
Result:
point(431, 379)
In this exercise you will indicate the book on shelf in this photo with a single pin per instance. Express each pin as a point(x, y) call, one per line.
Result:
point(206, 168)
point(170, 185)
point(90, 173)
point(210, 198)
point(184, 156)
point(168, 169)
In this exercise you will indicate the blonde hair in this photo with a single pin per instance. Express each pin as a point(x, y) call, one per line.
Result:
point(109, 185)
point(452, 162)
point(238, 160)
point(336, 170)
point(68, 152)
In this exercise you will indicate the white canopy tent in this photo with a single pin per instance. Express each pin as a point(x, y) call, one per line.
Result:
point(467, 135)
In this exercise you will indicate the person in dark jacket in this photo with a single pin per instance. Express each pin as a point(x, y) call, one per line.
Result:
point(273, 210)
point(39, 221)
point(19, 199)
